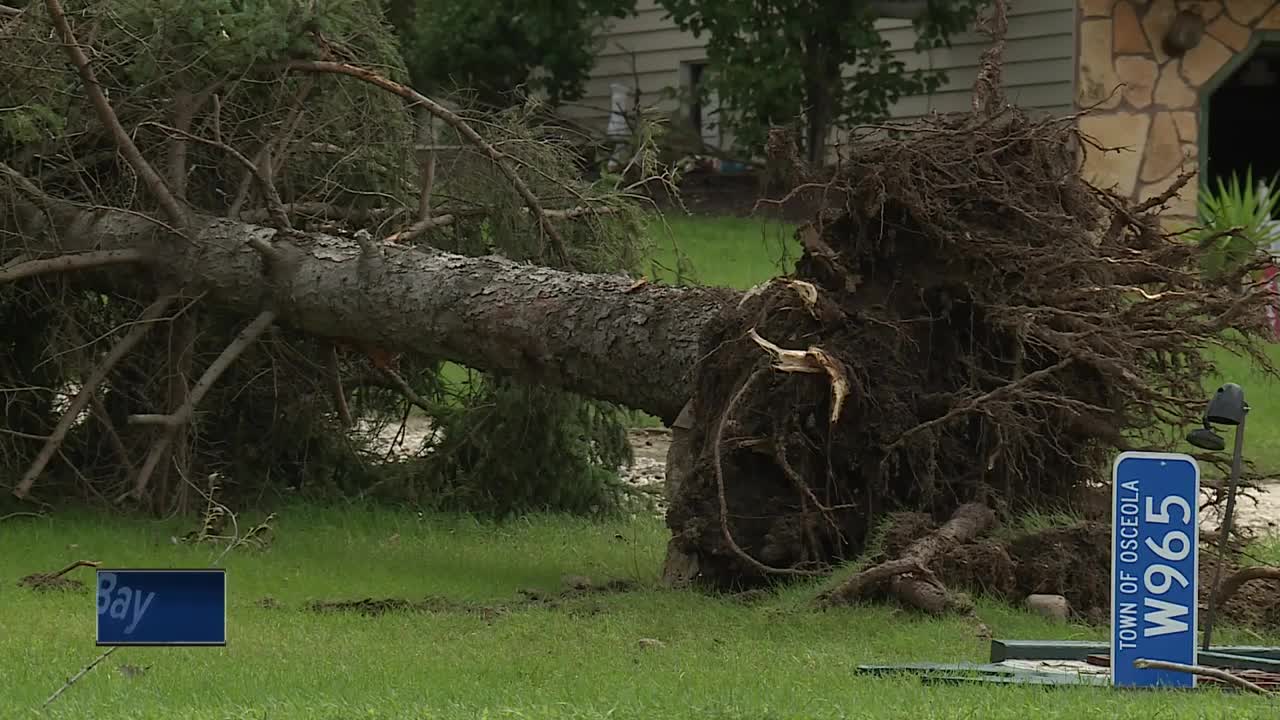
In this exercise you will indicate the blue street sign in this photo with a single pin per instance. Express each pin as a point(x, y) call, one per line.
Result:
point(162, 607)
point(1155, 535)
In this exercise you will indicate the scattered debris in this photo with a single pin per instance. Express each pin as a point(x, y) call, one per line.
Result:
point(215, 521)
point(993, 673)
point(1205, 672)
point(267, 602)
point(133, 671)
point(1075, 662)
point(576, 587)
point(650, 643)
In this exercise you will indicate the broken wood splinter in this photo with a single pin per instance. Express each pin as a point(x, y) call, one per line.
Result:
point(813, 360)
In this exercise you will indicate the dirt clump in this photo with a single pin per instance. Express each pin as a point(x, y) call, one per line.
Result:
point(1072, 561)
point(44, 582)
point(983, 568)
point(57, 581)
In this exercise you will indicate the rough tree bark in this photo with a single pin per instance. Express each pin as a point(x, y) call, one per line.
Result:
point(600, 335)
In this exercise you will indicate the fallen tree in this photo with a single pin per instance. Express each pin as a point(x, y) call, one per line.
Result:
point(972, 326)
point(603, 335)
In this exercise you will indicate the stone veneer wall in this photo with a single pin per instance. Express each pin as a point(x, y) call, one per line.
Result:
point(1144, 100)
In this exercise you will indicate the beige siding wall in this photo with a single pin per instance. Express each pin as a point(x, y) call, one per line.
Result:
point(647, 51)
point(644, 51)
point(1039, 66)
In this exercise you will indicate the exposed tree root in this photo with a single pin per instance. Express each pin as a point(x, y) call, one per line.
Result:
point(998, 328)
point(1236, 580)
point(908, 578)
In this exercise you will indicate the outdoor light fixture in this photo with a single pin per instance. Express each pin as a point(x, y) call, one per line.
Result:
point(1206, 439)
point(1226, 407)
point(1184, 33)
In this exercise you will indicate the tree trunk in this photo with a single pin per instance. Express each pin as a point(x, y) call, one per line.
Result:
point(820, 74)
point(599, 335)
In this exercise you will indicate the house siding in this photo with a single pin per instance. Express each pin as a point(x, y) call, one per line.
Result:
point(647, 50)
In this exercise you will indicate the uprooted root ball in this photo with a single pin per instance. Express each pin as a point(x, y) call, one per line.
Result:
point(973, 322)
point(1075, 561)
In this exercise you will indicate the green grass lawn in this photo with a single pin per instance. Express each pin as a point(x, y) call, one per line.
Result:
point(718, 659)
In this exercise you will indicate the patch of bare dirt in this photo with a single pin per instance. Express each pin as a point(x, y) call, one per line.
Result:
point(576, 587)
point(41, 582)
point(57, 581)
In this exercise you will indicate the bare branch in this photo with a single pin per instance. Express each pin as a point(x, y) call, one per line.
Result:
point(100, 410)
point(184, 112)
point(107, 116)
point(456, 122)
point(7, 11)
point(264, 157)
point(90, 386)
point(416, 229)
point(83, 671)
point(335, 387)
point(427, 164)
point(1237, 579)
point(324, 210)
point(422, 226)
point(113, 435)
point(988, 87)
point(1215, 673)
point(183, 415)
point(12, 515)
point(275, 206)
point(66, 263)
point(153, 419)
point(24, 183)
point(402, 386)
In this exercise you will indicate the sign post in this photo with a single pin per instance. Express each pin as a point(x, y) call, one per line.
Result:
point(162, 607)
point(1155, 536)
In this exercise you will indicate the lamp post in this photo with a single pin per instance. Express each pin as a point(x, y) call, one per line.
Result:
point(1226, 407)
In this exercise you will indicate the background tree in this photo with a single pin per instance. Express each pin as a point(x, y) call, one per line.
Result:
point(493, 48)
point(819, 62)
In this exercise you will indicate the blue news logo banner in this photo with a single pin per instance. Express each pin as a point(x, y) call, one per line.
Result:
point(1154, 566)
point(162, 607)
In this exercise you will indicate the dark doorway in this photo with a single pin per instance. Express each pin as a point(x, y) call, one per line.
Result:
point(1244, 121)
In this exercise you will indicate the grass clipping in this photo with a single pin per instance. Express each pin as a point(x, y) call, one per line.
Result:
point(971, 322)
